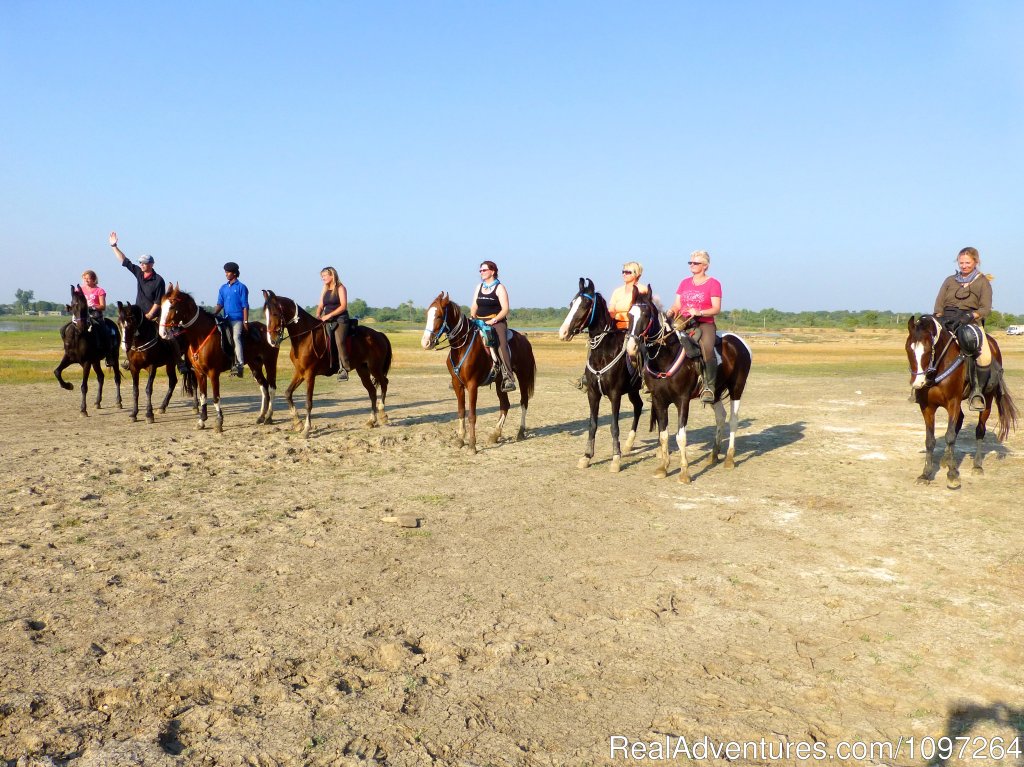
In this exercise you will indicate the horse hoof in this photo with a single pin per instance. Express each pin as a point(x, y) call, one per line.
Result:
point(218, 428)
point(195, 411)
point(200, 426)
point(66, 386)
point(923, 480)
point(132, 418)
point(384, 420)
point(371, 424)
point(472, 449)
point(977, 471)
point(161, 410)
point(150, 419)
point(730, 463)
point(583, 463)
point(615, 466)
point(120, 406)
point(520, 435)
point(492, 438)
point(85, 414)
point(953, 484)
point(260, 421)
point(660, 474)
point(684, 477)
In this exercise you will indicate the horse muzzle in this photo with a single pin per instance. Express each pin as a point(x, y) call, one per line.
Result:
point(428, 341)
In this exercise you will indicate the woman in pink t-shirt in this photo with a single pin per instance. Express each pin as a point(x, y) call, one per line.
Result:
point(700, 296)
point(95, 296)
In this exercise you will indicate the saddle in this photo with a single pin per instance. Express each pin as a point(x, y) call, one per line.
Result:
point(692, 348)
point(227, 338)
point(330, 326)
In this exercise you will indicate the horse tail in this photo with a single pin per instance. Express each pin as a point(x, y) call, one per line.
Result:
point(1008, 413)
point(388, 356)
point(188, 382)
point(527, 369)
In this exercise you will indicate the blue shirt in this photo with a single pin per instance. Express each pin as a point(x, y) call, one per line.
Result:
point(233, 297)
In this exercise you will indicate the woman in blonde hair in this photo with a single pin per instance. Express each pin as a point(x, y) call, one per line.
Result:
point(333, 307)
point(963, 303)
point(700, 296)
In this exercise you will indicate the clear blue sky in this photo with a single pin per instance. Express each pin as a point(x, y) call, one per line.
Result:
point(829, 155)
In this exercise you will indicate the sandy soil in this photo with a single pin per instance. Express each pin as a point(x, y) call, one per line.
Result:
point(173, 597)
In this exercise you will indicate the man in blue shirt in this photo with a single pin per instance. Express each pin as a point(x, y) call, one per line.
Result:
point(233, 298)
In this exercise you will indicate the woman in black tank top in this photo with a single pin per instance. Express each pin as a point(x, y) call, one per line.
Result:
point(334, 306)
point(490, 303)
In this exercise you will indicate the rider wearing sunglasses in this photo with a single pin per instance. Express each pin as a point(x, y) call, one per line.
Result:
point(700, 296)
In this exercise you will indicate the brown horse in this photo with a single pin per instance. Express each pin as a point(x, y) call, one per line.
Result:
point(146, 350)
point(369, 352)
point(87, 348)
point(938, 379)
point(471, 366)
point(179, 312)
point(673, 377)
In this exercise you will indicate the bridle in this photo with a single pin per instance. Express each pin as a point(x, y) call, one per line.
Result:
point(180, 324)
point(929, 373)
point(575, 330)
point(458, 334)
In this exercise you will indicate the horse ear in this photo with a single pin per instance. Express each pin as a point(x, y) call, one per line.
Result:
point(582, 283)
point(911, 323)
point(67, 308)
point(590, 285)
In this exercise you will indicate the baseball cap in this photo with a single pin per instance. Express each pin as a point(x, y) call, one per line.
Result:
point(146, 259)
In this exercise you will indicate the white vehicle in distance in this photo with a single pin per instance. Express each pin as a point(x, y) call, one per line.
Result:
point(1015, 330)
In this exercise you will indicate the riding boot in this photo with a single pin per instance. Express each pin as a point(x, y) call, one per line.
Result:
point(976, 400)
point(183, 367)
point(339, 339)
point(508, 380)
point(979, 380)
point(707, 393)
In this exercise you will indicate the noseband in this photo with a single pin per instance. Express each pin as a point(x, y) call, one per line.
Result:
point(592, 297)
point(457, 334)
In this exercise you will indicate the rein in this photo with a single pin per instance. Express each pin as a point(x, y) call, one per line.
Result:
point(936, 359)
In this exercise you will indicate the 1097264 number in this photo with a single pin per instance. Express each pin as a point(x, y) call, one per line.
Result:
point(965, 747)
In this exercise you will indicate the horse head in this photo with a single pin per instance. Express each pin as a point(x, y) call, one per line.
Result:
point(582, 309)
point(177, 309)
point(79, 306)
point(129, 318)
point(442, 316)
point(278, 311)
point(922, 339)
point(645, 321)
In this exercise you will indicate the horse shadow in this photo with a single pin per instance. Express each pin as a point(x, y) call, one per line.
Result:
point(962, 454)
point(964, 717)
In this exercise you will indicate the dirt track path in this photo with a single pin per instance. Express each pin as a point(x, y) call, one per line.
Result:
point(237, 599)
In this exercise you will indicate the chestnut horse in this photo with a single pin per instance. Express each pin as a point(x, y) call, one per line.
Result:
point(146, 350)
point(673, 377)
point(179, 312)
point(608, 373)
point(938, 379)
point(86, 348)
point(471, 366)
point(368, 350)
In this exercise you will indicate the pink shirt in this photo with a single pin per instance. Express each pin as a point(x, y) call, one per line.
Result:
point(92, 296)
point(698, 296)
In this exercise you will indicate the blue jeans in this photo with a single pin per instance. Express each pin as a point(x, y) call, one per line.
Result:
point(236, 332)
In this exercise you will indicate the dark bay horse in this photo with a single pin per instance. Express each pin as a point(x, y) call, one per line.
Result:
point(369, 353)
point(607, 372)
point(179, 313)
point(87, 348)
point(471, 365)
point(938, 379)
point(673, 378)
point(146, 350)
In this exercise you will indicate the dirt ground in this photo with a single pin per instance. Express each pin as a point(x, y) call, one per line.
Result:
point(176, 597)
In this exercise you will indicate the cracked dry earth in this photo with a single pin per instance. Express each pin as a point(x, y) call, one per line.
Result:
point(174, 597)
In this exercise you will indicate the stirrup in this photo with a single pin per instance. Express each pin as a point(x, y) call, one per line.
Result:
point(508, 383)
point(976, 403)
point(342, 374)
point(579, 383)
point(707, 396)
point(124, 364)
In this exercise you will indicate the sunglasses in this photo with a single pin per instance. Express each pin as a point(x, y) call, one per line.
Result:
point(696, 263)
point(626, 271)
point(485, 269)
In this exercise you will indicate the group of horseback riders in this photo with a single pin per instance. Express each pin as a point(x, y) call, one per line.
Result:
point(963, 303)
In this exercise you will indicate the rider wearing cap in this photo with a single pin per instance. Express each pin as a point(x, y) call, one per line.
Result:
point(150, 291)
point(233, 298)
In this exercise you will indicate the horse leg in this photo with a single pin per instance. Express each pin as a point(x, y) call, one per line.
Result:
point(684, 465)
point(949, 456)
point(661, 416)
point(524, 406)
point(149, 393)
point(134, 415)
point(288, 398)
point(616, 401)
point(503, 406)
point(979, 436)
point(219, 426)
point(172, 381)
point(460, 396)
point(117, 384)
point(256, 366)
point(85, 386)
point(638, 408)
point(382, 381)
point(594, 398)
point(364, 376)
point(98, 367)
point(716, 443)
point(928, 474)
point(471, 429)
point(201, 383)
point(65, 361)
point(310, 384)
point(734, 419)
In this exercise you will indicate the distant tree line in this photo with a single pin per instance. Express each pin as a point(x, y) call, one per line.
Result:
point(552, 316)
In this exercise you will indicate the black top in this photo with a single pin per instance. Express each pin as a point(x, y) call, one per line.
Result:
point(487, 304)
point(150, 290)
